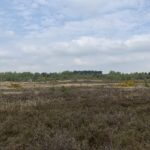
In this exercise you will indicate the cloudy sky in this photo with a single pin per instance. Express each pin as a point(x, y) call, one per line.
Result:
point(57, 35)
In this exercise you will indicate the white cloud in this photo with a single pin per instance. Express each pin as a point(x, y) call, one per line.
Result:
point(41, 35)
point(84, 52)
point(81, 62)
point(7, 34)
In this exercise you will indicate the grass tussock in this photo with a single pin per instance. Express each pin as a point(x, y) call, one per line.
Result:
point(76, 119)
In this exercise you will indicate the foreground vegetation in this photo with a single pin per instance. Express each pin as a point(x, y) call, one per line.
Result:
point(75, 118)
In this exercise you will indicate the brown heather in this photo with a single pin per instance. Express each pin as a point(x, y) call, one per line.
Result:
point(75, 118)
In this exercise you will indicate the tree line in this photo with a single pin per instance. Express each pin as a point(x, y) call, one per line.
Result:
point(72, 75)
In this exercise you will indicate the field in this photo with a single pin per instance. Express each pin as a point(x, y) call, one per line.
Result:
point(74, 116)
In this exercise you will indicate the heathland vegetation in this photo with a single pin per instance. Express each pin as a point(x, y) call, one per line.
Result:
point(75, 111)
point(75, 118)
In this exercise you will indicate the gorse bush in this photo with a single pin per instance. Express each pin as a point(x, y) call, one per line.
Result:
point(128, 83)
point(15, 85)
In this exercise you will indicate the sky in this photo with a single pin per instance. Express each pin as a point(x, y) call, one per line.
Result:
point(59, 35)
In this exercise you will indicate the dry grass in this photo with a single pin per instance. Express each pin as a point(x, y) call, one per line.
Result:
point(76, 118)
point(35, 85)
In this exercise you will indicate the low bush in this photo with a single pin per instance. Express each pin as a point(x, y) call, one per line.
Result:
point(128, 83)
point(15, 86)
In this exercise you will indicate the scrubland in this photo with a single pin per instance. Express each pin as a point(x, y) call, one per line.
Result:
point(81, 117)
